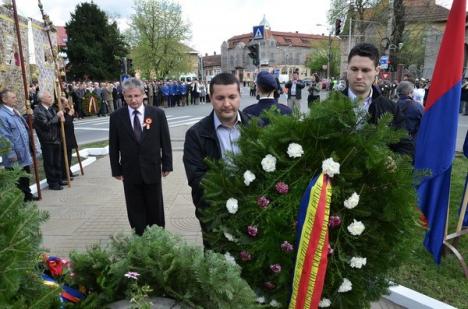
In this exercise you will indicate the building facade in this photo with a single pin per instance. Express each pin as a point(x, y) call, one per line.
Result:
point(281, 51)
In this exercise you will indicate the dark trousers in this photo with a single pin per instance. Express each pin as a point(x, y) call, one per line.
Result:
point(69, 157)
point(145, 205)
point(51, 156)
point(23, 183)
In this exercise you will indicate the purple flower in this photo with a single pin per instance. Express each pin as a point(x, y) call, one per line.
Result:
point(132, 275)
point(263, 201)
point(330, 250)
point(269, 285)
point(286, 247)
point(282, 188)
point(245, 256)
point(252, 230)
point(334, 222)
point(276, 268)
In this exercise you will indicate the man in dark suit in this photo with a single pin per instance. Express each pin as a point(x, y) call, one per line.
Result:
point(140, 153)
point(46, 123)
point(362, 71)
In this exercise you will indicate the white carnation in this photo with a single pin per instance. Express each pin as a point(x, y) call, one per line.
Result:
point(269, 163)
point(232, 205)
point(357, 262)
point(229, 236)
point(330, 167)
point(356, 228)
point(295, 150)
point(260, 300)
point(274, 303)
point(345, 286)
point(352, 201)
point(324, 303)
point(229, 258)
point(248, 177)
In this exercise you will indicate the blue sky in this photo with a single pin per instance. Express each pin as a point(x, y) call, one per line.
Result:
point(212, 21)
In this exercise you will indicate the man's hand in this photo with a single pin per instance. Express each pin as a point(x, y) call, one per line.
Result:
point(13, 158)
point(164, 174)
point(61, 116)
point(118, 177)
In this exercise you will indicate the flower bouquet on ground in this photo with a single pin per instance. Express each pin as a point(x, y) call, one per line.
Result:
point(315, 209)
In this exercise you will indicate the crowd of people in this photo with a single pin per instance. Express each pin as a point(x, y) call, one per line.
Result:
point(166, 94)
point(139, 139)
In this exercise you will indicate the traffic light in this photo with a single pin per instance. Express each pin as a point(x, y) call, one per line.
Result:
point(129, 65)
point(122, 65)
point(337, 26)
point(254, 54)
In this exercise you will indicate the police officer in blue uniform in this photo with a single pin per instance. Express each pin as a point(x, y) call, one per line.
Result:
point(266, 88)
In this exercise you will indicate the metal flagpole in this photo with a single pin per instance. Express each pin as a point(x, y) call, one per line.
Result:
point(27, 103)
point(58, 89)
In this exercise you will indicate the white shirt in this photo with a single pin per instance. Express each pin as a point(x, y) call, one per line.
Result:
point(293, 87)
point(418, 95)
point(367, 101)
point(140, 115)
point(11, 109)
point(227, 136)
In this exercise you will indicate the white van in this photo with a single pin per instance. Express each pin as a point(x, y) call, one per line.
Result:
point(188, 77)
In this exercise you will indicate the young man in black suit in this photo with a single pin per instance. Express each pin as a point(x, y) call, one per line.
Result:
point(140, 153)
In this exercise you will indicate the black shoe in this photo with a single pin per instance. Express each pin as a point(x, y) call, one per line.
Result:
point(31, 198)
point(63, 183)
point(56, 187)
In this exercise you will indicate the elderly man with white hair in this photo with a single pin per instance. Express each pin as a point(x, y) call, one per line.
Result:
point(411, 109)
point(46, 123)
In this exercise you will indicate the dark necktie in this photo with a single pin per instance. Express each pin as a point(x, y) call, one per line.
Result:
point(136, 125)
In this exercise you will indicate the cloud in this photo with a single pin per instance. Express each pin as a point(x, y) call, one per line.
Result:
point(212, 21)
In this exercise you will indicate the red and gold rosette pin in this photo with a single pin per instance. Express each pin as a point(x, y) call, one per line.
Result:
point(148, 122)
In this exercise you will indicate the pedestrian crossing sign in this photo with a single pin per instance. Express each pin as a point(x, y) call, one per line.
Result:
point(258, 32)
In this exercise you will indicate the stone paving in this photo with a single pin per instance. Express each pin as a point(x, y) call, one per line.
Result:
point(93, 209)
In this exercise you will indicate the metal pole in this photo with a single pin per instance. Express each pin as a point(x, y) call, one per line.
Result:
point(329, 55)
point(27, 103)
point(350, 34)
point(58, 89)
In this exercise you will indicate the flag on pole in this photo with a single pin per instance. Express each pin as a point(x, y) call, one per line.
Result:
point(436, 140)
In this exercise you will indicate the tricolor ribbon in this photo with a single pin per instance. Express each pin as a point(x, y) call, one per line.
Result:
point(312, 243)
point(92, 104)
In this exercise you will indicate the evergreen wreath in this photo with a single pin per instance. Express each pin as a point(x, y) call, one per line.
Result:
point(254, 199)
point(93, 110)
point(159, 264)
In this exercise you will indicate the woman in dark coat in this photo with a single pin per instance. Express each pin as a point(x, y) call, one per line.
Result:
point(69, 113)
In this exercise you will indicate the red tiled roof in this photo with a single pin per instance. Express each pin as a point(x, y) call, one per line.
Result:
point(62, 36)
point(212, 61)
point(295, 39)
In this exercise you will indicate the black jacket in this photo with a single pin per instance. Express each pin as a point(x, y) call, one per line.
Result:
point(201, 142)
point(381, 105)
point(140, 162)
point(299, 86)
point(46, 123)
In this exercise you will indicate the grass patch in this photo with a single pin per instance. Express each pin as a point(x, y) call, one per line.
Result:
point(445, 282)
point(99, 144)
point(40, 164)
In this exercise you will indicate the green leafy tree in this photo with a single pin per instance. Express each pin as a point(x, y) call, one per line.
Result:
point(318, 58)
point(156, 37)
point(94, 44)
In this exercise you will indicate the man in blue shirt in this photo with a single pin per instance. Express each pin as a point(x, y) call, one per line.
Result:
point(13, 128)
point(213, 136)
